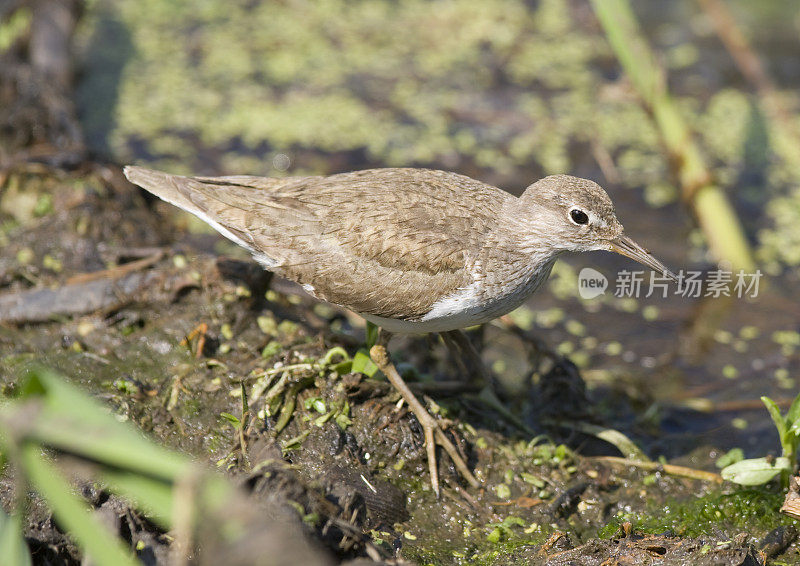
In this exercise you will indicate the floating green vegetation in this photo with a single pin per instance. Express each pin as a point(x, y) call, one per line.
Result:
point(263, 88)
point(407, 82)
point(754, 510)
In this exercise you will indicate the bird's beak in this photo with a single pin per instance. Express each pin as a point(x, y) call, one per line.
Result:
point(625, 246)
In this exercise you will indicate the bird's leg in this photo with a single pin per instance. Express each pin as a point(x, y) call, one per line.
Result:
point(461, 347)
point(459, 344)
point(433, 432)
point(456, 356)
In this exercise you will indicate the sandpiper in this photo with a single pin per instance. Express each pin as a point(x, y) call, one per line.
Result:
point(411, 250)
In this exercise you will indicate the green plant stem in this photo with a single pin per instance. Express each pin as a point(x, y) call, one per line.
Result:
point(714, 212)
point(670, 469)
point(13, 550)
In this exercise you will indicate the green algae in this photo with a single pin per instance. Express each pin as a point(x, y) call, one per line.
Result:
point(755, 511)
point(264, 87)
point(278, 77)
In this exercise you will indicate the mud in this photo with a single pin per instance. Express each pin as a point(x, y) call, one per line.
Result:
point(335, 451)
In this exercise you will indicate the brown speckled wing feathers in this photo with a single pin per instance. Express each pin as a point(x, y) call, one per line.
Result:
point(350, 236)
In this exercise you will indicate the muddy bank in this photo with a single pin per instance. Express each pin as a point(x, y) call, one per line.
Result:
point(333, 448)
point(174, 329)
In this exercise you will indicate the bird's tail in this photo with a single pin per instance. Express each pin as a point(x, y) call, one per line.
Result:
point(204, 200)
point(170, 188)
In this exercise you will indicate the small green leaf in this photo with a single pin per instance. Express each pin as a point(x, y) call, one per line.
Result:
point(334, 352)
point(512, 521)
point(343, 421)
point(533, 480)
point(372, 335)
point(756, 471)
point(503, 491)
point(362, 363)
point(232, 419)
point(271, 349)
point(495, 536)
point(793, 415)
point(343, 416)
point(793, 420)
point(319, 421)
point(775, 413)
point(315, 403)
point(730, 457)
point(343, 368)
point(561, 453)
point(779, 421)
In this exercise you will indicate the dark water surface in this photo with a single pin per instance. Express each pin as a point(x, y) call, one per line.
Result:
point(692, 369)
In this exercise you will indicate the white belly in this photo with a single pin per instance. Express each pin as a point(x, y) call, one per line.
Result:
point(464, 308)
point(442, 324)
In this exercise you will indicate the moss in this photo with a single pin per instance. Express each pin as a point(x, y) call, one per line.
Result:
point(755, 511)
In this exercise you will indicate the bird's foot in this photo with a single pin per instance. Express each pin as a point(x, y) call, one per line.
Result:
point(430, 426)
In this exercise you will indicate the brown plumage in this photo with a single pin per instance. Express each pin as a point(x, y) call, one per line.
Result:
point(412, 250)
point(430, 249)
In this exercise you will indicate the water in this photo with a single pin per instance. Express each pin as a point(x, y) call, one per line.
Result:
point(692, 369)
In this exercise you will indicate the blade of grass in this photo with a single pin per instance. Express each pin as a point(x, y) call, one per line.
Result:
point(158, 499)
point(671, 469)
point(71, 421)
point(614, 437)
point(113, 446)
point(778, 420)
point(13, 550)
point(52, 413)
point(714, 212)
point(72, 513)
point(152, 496)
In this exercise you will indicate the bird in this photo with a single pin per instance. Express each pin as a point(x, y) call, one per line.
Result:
point(410, 250)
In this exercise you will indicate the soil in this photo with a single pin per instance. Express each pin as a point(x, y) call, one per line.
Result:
point(348, 467)
point(172, 330)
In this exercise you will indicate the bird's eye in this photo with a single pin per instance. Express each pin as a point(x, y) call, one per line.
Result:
point(578, 216)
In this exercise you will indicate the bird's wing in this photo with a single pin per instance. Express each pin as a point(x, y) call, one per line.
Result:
point(394, 240)
point(385, 242)
point(239, 207)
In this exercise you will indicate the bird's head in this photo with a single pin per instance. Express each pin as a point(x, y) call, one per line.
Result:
point(575, 214)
